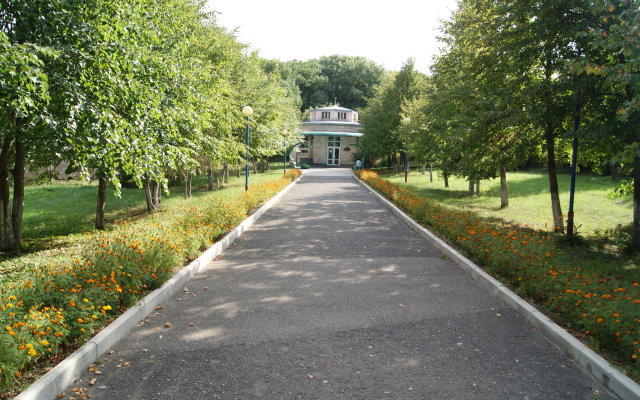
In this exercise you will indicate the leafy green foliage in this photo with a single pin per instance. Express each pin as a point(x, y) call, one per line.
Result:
point(382, 118)
point(140, 88)
point(345, 79)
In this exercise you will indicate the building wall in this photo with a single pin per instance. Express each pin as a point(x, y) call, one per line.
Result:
point(329, 128)
point(319, 151)
point(352, 116)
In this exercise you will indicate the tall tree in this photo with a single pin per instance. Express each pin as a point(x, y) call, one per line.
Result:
point(383, 115)
point(24, 95)
point(614, 37)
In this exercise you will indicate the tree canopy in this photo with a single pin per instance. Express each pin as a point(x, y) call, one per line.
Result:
point(136, 88)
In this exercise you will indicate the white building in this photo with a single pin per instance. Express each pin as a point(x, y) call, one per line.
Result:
point(333, 135)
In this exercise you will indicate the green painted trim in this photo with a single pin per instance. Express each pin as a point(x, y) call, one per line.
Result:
point(348, 134)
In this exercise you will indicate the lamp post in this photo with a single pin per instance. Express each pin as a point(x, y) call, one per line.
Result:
point(247, 111)
point(406, 121)
point(285, 133)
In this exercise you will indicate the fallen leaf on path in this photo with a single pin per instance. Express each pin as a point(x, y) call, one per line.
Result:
point(168, 324)
point(92, 381)
point(158, 308)
point(310, 376)
point(61, 395)
point(82, 393)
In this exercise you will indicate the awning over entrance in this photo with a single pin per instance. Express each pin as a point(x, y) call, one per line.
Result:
point(349, 134)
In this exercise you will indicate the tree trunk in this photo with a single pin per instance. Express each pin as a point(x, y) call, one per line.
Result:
point(102, 198)
point(18, 192)
point(217, 176)
point(431, 172)
point(155, 195)
point(6, 227)
point(471, 187)
point(504, 194)
point(253, 163)
point(147, 195)
point(558, 221)
point(238, 171)
point(187, 186)
point(424, 169)
point(446, 179)
point(225, 173)
point(612, 164)
point(477, 187)
point(209, 179)
point(635, 239)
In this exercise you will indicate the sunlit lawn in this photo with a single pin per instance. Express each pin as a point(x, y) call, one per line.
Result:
point(529, 200)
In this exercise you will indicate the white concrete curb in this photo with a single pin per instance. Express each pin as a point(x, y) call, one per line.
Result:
point(64, 374)
point(620, 384)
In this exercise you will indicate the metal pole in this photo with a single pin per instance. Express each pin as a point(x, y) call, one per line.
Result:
point(574, 160)
point(246, 166)
point(284, 161)
point(406, 158)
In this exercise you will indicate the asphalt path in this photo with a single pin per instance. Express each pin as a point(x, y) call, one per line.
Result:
point(330, 296)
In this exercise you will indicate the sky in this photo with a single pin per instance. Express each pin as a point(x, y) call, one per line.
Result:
point(387, 32)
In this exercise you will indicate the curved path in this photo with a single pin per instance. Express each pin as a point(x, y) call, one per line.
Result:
point(330, 296)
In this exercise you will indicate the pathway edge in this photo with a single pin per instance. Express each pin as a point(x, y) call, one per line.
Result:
point(614, 380)
point(69, 370)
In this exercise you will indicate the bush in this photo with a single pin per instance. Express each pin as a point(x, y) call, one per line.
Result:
point(305, 166)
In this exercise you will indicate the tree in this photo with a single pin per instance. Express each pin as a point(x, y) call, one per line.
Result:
point(505, 72)
point(350, 80)
point(382, 117)
point(24, 94)
point(614, 37)
point(345, 79)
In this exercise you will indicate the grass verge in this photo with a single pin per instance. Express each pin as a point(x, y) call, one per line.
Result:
point(64, 299)
point(599, 305)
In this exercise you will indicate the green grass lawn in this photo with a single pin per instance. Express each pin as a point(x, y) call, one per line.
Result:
point(529, 200)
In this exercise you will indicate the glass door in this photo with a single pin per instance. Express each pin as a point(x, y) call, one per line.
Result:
point(333, 150)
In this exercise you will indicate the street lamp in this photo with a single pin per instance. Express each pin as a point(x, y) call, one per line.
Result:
point(285, 133)
point(247, 111)
point(406, 121)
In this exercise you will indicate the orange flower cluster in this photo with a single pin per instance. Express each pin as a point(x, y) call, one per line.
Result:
point(604, 307)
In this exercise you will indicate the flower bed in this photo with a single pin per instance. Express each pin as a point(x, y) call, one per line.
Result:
point(601, 307)
point(58, 306)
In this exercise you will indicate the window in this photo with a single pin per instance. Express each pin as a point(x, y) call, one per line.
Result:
point(342, 115)
point(333, 141)
point(326, 115)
